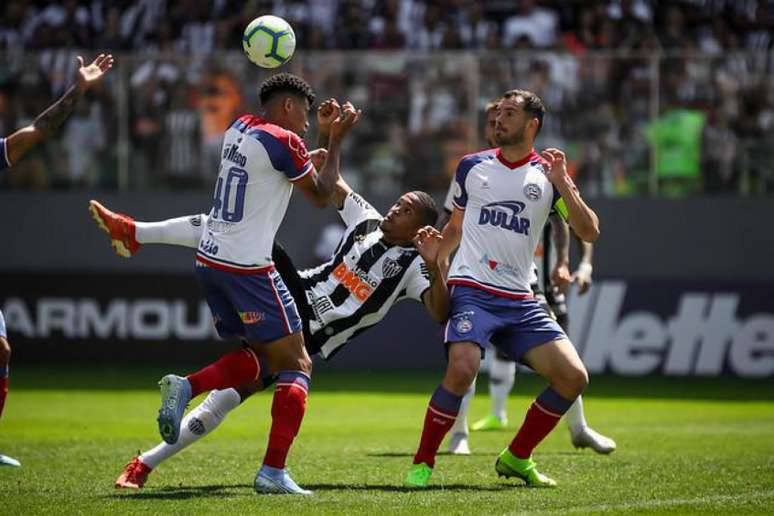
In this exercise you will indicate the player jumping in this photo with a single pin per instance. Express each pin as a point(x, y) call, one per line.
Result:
point(19, 143)
point(502, 200)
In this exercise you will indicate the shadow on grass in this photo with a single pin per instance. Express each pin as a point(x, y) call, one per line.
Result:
point(185, 492)
point(409, 454)
point(240, 490)
point(402, 489)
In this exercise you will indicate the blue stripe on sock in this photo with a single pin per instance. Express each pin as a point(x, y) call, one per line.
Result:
point(553, 401)
point(4, 370)
point(446, 401)
point(294, 377)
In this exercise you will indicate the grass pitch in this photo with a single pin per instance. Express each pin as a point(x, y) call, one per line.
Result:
point(685, 446)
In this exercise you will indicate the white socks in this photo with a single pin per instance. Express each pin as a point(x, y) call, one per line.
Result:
point(461, 423)
point(184, 231)
point(576, 421)
point(502, 374)
point(196, 424)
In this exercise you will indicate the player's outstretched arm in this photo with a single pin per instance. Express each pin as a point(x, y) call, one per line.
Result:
point(319, 187)
point(582, 219)
point(20, 142)
point(436, 299)
point(560, 234)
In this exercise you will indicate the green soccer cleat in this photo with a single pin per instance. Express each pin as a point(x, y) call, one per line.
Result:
point(490, 422)
point(418, 475)
point(508, 465)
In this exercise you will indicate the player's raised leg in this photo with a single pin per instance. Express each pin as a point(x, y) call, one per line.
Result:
point(464, 360)
point(128, 235)
point(559, 363)
point(199, 422)
point(237, 368)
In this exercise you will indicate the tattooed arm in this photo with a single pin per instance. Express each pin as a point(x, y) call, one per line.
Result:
point(20, 142)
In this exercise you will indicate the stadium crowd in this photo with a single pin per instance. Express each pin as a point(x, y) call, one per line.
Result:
point(682, 91)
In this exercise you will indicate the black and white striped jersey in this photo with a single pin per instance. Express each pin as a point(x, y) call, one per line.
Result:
point(357, 287)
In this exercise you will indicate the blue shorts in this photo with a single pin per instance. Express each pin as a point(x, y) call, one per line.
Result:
point(256, 306)
point(513, 326)
point(2, 325)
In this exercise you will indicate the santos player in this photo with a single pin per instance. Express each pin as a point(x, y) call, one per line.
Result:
point(502, 200)
point(15, 146)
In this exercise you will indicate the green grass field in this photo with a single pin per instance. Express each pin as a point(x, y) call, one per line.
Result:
point(685, 446)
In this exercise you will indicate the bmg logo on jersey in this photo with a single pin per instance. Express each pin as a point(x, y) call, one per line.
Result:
point(504, 214)
point(356, 282)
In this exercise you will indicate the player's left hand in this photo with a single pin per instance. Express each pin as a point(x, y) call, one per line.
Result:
point(91, 74)
point(327, 112)
point(583, 277)
point(318, 157)
point(428, 242)
point(557, 165)
point(561, 277)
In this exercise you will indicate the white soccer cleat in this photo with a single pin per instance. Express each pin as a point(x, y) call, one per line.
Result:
point(5, 460)
point(276, 481)
point(458, 444)
point(588, 438)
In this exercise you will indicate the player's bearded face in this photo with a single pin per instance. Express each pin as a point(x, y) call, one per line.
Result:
point(510, 123)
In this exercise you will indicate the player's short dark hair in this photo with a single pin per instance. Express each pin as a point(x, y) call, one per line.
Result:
point(492, 104)
point(426, 207)
point(532, 104)
point(285, 83)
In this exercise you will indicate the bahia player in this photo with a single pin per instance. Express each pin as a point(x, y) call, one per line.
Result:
point(502, 201)
point(15, 146)
point(263, 157)
point(380, 262)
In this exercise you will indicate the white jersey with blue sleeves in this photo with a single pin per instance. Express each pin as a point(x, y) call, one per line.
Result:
point(259, 163)
point(506, 206)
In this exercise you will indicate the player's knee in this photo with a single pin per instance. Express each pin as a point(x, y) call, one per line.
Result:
point(5, 352)
point(576, 380)
point(305, 365)
point(461, 374)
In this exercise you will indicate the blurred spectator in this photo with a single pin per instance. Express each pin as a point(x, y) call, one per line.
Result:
point(537, 24)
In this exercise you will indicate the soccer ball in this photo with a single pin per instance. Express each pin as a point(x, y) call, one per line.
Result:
point(269, 41)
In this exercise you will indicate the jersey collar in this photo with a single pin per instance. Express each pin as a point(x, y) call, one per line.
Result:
point(516, 164)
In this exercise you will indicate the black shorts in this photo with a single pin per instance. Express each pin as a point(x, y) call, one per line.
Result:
point(290, 276)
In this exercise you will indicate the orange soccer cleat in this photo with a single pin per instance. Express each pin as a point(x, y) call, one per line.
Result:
point(120, 227)
point(134, 475)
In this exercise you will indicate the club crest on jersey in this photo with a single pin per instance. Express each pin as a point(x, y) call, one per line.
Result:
point(390, 268)
point(504, 214)
point(532, 192)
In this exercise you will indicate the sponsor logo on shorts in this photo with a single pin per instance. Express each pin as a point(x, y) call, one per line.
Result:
point(251, 317)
